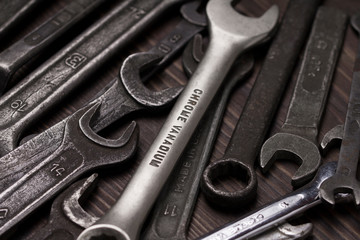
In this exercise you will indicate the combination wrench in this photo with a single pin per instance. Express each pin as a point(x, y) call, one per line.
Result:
point(297, 139)
point(230, 34)
point(72, 65)
point(260, 107)
point(13, 57)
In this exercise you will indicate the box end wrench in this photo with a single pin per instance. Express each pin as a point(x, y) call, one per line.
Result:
point(297, 140)
point(345, 179)
point(228, 40)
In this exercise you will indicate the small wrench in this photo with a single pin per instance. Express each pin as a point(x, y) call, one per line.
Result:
point(12, 58)
point(297, 140)
point(75, 63)
point(345, 180)
point(12, 12)
point(260, 108)
point(278, 211)
point(230, 35)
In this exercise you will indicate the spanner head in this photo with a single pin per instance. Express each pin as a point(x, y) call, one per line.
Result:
point(293, 147)
point(130, 75)
point(287, 231)
point(223, 18)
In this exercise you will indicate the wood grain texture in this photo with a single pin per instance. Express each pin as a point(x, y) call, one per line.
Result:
point(342, 222)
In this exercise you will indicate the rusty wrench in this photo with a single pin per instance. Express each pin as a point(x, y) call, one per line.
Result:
point(231, 34)
point(298, 137)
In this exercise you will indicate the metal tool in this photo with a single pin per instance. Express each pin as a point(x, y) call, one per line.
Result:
point(75, 63)
point(278, 211)
point(26, 163)
point(231, 34)
point(76, 155)
point(173, 209)
point(260, 108)
point(345, 179)
point(297, 140)
point(67, 218)
point(13, 57)
point(13, 12)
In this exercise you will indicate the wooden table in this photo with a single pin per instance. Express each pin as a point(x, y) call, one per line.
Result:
point(342, 222)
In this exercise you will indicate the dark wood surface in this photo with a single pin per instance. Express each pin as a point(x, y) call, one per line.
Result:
point(342, 222)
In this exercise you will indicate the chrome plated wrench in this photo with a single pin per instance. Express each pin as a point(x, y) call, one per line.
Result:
point(230, 34)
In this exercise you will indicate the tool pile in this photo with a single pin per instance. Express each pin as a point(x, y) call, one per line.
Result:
point(161, 177)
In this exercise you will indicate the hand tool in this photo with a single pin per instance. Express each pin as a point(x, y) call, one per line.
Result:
point(12, 12)
point(297, 140)
point(345, 179)
point(260, 108)
point(12, 58)
point(26, 163)
point(230, 34)
point(77, 154)
point(73, 64)
point(278, 211)
point(67, 218)
point(173, 209)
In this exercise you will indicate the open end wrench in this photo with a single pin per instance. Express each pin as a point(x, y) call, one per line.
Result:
point(12, 12)
point(230, 34)
point(76, 155)
point(13, 57)
point(276, 212)
point(67, 218)
point(345, 179)
point(72, 65)
point(297, 140)
point(260, 107)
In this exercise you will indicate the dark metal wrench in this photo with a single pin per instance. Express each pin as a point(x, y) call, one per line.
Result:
point(13, 57)
point(345, 179)
point(260, 107)
point(297, 139)
point(278, 211)
point(115, 102)
point(231, 34)
point(67, 218)
point(12, 13)
point(76, 155)
point(75, 63)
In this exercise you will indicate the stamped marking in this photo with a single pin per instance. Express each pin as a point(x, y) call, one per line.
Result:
point(18, 105)
point(3, 213)
point(75, 60)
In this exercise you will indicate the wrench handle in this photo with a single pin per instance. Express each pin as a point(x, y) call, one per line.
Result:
point(316, 73)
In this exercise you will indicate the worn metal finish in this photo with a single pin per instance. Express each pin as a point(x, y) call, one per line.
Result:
point(297, 140)
point(286, 231)
point(173, 209)
point(231, 34)
point(75, 63)
point(13, 57)
point(278, 211)
point(67, 218)
point(76, 155)
point(346, 179)
point(260, 108)
point(12, 13)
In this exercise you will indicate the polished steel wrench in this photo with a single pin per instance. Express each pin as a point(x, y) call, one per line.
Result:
point(230, 34)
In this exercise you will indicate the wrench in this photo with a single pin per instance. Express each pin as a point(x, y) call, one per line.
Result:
point(231, 34)
point(12, 12)
point(260, 108)
point(297, 139)
point(67, 218)
point(12, 58)
point(173, 209)
point(278, 211)
point(47, 85)
point(112, 105)
point(345, 179)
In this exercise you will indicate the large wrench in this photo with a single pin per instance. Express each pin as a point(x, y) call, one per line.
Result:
point(75, 63)
point(298, 137)
point(230, 34)
point(13, 57)
point(345, 179)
